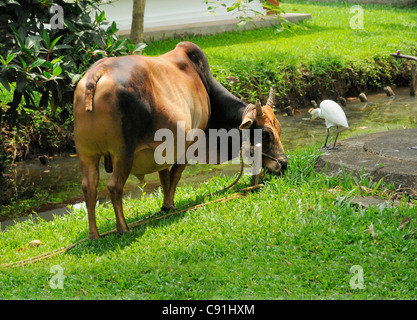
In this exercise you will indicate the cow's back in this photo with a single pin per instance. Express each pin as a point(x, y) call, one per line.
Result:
point(121, 102)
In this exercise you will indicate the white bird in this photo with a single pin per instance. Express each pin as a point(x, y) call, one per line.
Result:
point(334, 116)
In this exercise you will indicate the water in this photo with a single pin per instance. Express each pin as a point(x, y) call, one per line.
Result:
point(64, 172)
point(380, 113)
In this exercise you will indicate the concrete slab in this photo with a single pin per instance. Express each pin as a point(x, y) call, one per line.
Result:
point(389, 155)
point(213, 27)
point(373, 201)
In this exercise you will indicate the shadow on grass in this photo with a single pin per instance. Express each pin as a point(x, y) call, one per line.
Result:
point(114, 241)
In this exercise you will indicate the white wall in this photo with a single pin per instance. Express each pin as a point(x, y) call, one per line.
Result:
point(159, 13)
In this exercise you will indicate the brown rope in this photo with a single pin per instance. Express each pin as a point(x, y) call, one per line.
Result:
point(154, 217)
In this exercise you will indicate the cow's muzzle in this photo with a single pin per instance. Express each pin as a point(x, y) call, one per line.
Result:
point(275, 165)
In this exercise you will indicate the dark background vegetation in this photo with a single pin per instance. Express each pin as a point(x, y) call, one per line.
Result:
point(40, 66)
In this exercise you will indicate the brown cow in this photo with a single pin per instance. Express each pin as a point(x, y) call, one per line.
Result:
point(121, 102)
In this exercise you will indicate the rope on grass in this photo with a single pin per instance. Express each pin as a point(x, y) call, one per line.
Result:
point(154, 217)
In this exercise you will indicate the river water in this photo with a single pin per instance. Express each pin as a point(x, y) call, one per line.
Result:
point(380, 113)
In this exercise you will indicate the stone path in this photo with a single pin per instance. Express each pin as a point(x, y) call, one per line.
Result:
point(391, 155)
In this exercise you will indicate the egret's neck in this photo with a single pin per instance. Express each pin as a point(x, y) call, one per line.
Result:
point(316, 113)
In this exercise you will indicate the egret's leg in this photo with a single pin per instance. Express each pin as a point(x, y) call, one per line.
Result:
point(334, 144)
point(337, 135)
point(325, 142)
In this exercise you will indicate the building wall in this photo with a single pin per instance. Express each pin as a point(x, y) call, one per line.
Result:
point(164, 13)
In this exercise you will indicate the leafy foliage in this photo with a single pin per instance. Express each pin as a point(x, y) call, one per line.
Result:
point(243, 9)
point(45, 48)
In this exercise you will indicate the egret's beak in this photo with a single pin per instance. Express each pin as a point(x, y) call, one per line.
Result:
point(309, 111)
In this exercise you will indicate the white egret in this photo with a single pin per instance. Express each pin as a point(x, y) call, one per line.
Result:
point(334, 116)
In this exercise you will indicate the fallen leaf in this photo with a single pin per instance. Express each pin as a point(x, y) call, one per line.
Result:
point(21, 249)
point(363, 127)
point(396, 196)
point(233, 79)
point(403, 222)
point(289, 263)
point(365, 189)
point(371, 230)
point(35, 243)
point(335, 189)
point(85, 292)
point(288, 291)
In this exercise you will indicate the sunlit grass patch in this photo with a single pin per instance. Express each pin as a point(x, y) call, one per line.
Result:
point(297, 237)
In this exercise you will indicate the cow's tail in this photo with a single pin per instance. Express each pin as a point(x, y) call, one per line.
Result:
point(90, 88)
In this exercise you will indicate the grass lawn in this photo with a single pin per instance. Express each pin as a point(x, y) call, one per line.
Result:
point(296, 238)
point(309, 60)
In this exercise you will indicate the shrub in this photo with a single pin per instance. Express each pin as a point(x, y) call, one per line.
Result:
point(45, 48)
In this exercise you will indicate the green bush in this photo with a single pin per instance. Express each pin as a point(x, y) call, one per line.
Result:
point(45, 48)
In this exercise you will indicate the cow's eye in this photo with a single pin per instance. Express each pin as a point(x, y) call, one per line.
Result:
point(266, 136)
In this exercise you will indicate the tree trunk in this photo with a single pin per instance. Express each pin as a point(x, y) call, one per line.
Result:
point(136, 29)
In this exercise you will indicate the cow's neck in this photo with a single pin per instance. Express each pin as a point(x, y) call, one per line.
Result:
point(226, 109)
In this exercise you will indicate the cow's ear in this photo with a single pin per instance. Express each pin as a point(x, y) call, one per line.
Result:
point(246, 123)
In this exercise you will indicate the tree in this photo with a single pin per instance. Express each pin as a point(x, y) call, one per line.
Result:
point(138, 13)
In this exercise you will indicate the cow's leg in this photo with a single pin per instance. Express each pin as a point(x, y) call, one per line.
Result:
point(165, 183)
point(121, 171)
point(174, 177)
point(90, 177)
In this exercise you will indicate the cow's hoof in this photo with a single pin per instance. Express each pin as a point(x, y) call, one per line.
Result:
point(166, 208)
point(122, 231)
point(93, 236)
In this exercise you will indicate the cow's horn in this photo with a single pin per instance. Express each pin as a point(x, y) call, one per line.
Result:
point(258, 107)
point(271, 98)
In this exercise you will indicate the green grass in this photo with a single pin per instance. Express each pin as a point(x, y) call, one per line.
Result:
point(296, 238)
point(324, 49)
point(294, 235)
